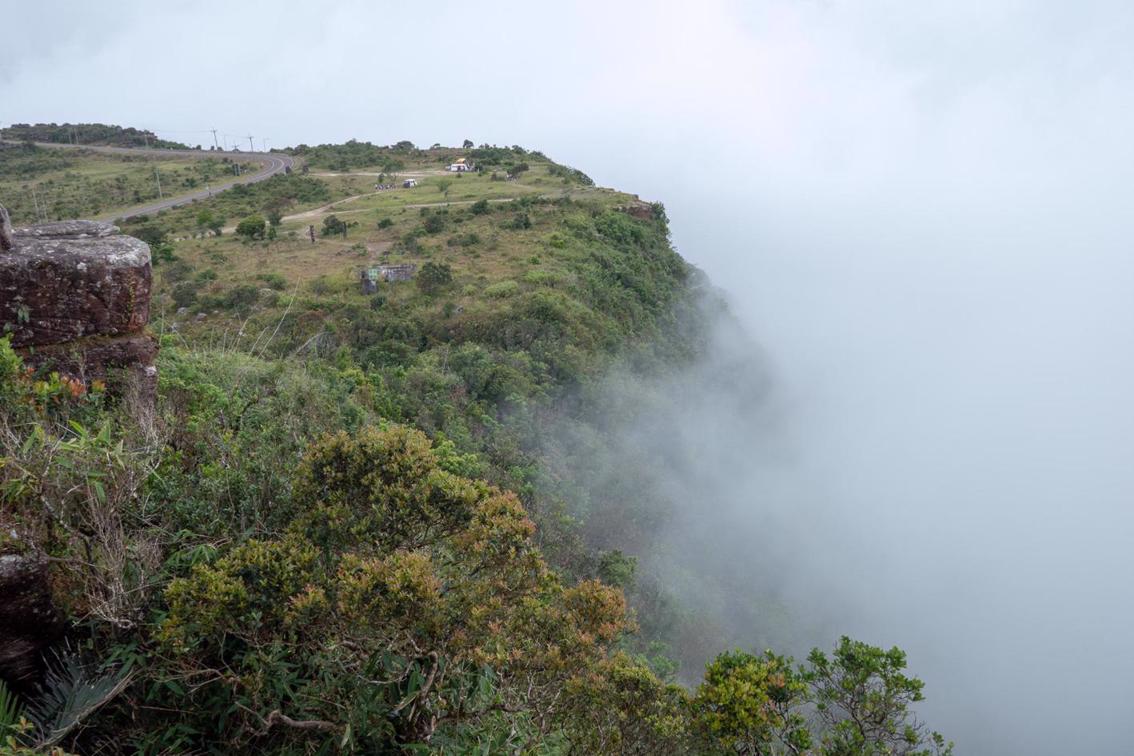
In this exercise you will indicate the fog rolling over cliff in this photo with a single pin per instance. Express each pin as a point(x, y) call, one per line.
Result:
point(920, 213)
point(933, 251)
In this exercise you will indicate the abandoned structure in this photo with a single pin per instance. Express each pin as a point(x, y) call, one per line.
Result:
point(75, 297)
point(371, 276)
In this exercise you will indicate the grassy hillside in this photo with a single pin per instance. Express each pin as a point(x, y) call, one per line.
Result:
point(350, 522)
point(38, 183)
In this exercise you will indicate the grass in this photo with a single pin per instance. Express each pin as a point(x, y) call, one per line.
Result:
point(81, 184)
point(514, 242)
point(489, 256)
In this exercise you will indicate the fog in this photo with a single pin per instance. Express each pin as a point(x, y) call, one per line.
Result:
point(921, 214)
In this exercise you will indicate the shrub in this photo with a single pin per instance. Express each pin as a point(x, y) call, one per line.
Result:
point(502, 289)
point(433, 277)
point(332, 225)
point(464, 240)
point(184, 293)
point(321, 286)
point(543, 278)
point(520, 222)
point(252, 227)
point(273, 281)
point(385, 223)
point(480, 207)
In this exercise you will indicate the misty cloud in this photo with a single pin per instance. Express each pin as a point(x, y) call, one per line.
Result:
point(919, 212)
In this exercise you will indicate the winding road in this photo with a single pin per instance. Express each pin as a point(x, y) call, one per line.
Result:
point(271, 163)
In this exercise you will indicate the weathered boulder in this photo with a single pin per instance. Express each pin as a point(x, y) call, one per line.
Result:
point(29, 621)
point(59, 284)
point(75, 295)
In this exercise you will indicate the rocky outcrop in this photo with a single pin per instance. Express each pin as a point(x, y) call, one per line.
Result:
point(29, 621)
point(75, 296)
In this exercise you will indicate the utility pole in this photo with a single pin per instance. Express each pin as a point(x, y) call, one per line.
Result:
point(251, 147)
point(38, 213)
point(157, 178)
point(215, 144)
point(147, 138)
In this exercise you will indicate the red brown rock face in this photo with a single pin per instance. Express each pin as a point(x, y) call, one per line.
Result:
point(76, 296)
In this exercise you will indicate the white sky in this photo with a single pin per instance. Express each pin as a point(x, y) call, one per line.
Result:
point(921, 209)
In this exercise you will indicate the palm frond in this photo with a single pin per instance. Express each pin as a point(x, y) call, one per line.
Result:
point(69, 694)
point(10, 711)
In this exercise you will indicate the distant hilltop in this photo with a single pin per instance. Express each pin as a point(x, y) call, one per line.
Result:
point(87, 133)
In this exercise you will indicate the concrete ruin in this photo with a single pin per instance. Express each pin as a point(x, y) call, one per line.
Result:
point(388, 273)
point(75, 297)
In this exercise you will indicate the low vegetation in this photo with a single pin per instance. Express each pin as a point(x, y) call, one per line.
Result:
point(347, 526)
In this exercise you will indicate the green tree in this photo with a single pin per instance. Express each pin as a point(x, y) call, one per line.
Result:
point(863, 698)
point(207, 220)
point(252, 227)
point(434, 222)
point(750, 705)
point(403, 603)
point(161, 248)
point(859, 696)
point(468, 144)
point(332, 225)
point(434, 277)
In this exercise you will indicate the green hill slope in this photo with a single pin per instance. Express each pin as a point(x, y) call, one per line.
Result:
point(353, 521)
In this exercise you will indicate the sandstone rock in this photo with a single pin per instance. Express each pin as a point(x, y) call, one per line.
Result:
point(639, 210)
point(75, 297)
point(29, 621)
point(64, 281)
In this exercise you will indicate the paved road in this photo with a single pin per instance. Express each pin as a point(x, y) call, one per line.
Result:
point(271, 163)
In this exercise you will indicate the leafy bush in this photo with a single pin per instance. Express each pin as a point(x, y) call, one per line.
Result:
point(502, 289)
point(433, 277)
point(333, 225)
point(273, 281)
point(464, 240)
point(252, 227)
point(433, 222)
